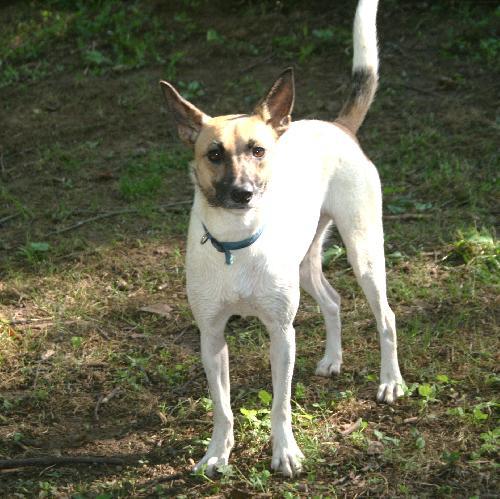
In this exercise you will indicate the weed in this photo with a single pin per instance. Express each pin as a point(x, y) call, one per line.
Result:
point(300, 391)
point(76, 342)
point(265, 397)
point(386, 439)
point(214, 37)
point(35, 252)
point(332, 254)
point(491, 442)
point(9, 199)
point(191, 90)
point(259, 479)
point(419, 438)
point(189, 26)
point(478, 250)
point(450, 457)
point(172, 63)
point(207, 404)
point(427, 392)
point(255, 419)
point(47, 489)
point(358, 437)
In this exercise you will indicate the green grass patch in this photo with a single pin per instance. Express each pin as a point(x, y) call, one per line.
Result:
point(144, 178)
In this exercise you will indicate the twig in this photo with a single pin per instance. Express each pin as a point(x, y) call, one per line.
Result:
point(180, 335)
point(417, 89)
point(102, 333)
point(256, 63)
point(409, 216)
point(180, 389)
point(9, 217)
point(91, 219)
point(163, 479)
point(18, 322)
point(413, 419)
point(62, 460)
point(38, 323)
point(104, 400)
point(114, 213)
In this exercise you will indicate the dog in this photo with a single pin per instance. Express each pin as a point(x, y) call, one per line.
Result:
point(266, 191)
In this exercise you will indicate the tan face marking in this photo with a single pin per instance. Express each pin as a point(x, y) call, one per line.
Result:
point(231, 157)
point(231, 164)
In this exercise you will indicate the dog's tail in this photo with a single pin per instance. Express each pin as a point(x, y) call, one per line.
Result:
point(364, 68)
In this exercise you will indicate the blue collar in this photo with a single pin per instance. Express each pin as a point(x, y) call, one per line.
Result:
point(227, 247)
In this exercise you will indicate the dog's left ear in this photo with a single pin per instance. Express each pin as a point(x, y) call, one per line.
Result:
point(188, 118)
point(276, 107)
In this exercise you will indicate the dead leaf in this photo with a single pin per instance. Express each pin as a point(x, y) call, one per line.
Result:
point(374, 448)
point(104, 176)
point(410, 420)
point(351, 428)
point(48, 354)
point(161, 250)
point(162, 417)
point(158, 308)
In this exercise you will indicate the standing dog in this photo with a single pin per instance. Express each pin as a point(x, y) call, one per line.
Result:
point(266, 190)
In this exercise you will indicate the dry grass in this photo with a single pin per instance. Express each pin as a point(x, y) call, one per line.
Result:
point(83, 371)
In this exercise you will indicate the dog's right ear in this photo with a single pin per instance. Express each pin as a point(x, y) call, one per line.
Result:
point(188, 118)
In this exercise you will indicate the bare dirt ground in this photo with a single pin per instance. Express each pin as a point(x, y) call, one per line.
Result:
point(94, 205)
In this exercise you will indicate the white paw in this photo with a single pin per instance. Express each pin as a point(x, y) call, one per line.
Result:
point(328, 366)
point(390, 391)
point(209, 464)
point(287, 459)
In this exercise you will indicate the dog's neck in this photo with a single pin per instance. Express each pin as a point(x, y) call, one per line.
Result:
point(227, 225)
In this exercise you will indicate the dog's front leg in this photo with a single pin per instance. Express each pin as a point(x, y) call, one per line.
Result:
point(215, 359)
point(287, 456)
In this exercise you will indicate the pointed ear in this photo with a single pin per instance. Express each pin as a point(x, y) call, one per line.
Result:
point(276, 107)
point(188, 118)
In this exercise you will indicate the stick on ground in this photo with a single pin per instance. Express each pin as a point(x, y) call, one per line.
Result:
point(104, 400)
point(114, 213)
point(62, 460)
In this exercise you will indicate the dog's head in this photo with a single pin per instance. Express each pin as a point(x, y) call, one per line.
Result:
point(231, 165)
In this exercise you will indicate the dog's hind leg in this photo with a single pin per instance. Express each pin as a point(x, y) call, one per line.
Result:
point(315, 283)
point(365, 252)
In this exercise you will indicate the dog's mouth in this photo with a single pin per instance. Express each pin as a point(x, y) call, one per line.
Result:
point(242, 206)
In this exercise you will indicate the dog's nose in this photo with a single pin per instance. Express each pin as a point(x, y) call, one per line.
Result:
point(242, 194)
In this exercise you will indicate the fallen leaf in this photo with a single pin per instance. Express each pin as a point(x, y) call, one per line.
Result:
point(104, 176)
point(375, 447)
point(48, 354)
point(351, 428)
point(158, 308)
point(162, 250)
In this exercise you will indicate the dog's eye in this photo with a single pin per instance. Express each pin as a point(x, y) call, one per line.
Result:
point(258, 152)
point(215, 155)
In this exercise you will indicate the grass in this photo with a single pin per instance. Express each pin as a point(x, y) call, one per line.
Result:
point(87, 140)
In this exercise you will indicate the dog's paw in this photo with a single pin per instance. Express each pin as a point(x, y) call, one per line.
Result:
point(287, 459)
point(328, 367)
point(209, 464)
point(388, 392)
